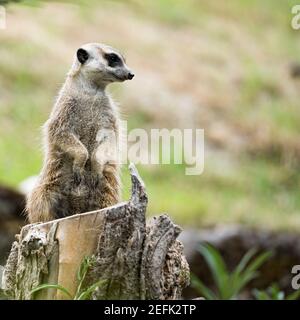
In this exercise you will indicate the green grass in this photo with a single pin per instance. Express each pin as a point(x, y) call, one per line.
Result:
point(257, 193)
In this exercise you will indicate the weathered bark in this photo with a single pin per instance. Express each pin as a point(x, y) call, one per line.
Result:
point(134, 260)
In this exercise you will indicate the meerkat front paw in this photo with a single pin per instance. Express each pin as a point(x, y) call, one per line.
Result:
point(79, 166)
point(78, 174)
point(95, 179)
point(77, 177)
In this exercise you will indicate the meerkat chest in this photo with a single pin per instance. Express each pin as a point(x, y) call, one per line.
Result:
point(97, 121)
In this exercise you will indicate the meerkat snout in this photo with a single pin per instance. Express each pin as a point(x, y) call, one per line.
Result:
point(130, 76)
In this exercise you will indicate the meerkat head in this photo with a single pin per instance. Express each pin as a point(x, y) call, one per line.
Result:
point(101, 64)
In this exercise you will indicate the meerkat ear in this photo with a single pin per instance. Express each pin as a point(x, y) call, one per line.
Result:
point(82, 55)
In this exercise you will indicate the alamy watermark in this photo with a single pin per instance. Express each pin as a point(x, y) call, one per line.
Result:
point(156, 146)
point(2, 18)
point(295, 23)
point(296, 278)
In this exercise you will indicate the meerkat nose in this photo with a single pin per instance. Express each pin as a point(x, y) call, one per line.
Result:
point(130, 75)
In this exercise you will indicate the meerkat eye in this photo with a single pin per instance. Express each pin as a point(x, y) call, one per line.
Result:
point(113, 60)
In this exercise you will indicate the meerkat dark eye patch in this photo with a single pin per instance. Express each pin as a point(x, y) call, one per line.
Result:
point(113, 60)
point(82, 55)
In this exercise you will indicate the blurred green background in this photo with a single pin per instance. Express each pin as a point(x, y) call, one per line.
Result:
point(224, 66)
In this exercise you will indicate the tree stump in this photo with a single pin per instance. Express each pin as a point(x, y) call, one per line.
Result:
point(135, 260)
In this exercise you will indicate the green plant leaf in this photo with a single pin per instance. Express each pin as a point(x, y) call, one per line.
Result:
point(51, 286)
point(217, 267)
point(245, 260)
point(293, 296)
point(249, 273)
point(81, 274)
point(258, 261)
point(261, 295)
point(241, 281)
point(83, 268)
point(202, 288)
point(86, 293)
point(275, 292)
point(229, 284)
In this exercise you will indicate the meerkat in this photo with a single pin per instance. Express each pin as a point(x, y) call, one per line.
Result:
point(80, 171)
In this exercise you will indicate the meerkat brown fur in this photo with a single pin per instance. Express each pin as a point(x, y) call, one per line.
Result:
point(81, 170)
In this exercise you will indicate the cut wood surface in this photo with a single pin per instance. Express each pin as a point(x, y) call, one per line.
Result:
point(135, 260)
